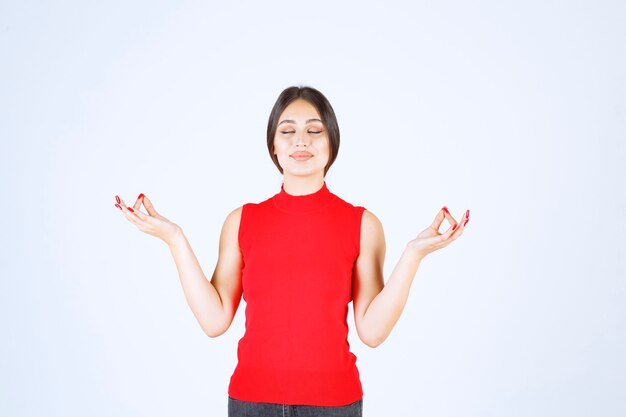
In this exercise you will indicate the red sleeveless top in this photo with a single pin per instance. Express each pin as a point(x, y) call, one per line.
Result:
point(298, 255)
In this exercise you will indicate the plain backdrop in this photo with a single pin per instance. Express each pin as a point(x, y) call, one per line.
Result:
point(514, 110)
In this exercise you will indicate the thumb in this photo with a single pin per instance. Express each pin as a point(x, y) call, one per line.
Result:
point(439, 218)
point(149, 207)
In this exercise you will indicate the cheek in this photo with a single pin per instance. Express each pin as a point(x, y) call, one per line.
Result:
point(324, 145)
point(278, 146)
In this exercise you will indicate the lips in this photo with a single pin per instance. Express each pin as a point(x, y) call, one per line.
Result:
point(301, 155)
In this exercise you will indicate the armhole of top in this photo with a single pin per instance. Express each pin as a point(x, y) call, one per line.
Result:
point(241, 224)
point(360, 211)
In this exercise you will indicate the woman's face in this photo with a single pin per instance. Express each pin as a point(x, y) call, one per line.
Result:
point(301, 141)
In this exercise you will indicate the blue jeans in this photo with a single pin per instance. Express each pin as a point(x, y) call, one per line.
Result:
point(237, 408)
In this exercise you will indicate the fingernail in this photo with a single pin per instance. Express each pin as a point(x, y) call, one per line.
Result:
point(140, 196)
point(467, 214)
point(118, 199)
point(453, 227)
point(465, 222)
point(446, 209)
point(130, 209)
point(118, 206)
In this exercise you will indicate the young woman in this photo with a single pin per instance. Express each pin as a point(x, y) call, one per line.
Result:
point(298, 258)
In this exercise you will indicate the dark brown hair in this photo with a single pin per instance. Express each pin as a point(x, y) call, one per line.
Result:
point(323, 107)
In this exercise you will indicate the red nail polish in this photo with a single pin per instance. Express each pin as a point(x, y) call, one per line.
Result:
point(446, 209)
point(118, 206)
point(118, 199)
point(140, 196)
point(130, 209)
point(454, 227)
point(467, 214)
point(465, 222)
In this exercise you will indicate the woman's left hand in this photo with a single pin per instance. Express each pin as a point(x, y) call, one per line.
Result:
point(431, 240)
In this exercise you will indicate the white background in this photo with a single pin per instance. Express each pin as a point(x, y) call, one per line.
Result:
point(515, 110)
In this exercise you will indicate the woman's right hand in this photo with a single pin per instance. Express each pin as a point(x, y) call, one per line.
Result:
point(152, 223)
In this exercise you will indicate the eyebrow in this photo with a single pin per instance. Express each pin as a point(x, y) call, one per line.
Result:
point(293, 121)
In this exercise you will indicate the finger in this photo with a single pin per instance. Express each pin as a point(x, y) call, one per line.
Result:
point(436, 224)
point(138, 202)
point(149, 207)
point(134, 211)
point(135, 217)
point(139, 215)
point(461, 226)
point(450, 231)
point(118, 201)
point(465, 219)
point(446, 215)
point(129, 212)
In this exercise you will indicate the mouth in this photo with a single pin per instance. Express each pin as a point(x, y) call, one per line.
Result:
point(301, 156)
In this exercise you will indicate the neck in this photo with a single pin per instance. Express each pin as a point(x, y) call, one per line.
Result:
point(302, 185)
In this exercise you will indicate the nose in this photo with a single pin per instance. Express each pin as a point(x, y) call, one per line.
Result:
point(302, 140)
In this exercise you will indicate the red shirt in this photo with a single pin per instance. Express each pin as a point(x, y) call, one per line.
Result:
point(298, 255)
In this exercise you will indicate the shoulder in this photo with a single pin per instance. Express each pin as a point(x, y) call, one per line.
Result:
point(370, 219)
point(346, 206)
point(233, 218)
point(240, 211)
point(235, 214)
point(372, 234)
point(370, 224)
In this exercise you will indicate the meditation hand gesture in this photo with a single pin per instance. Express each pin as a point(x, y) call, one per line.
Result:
point(431, 240)
point(152, 223)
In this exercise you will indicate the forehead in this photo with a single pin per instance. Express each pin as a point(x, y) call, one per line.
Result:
point(299, 109)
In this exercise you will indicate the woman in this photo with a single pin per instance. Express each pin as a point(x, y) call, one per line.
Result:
point(298, 258)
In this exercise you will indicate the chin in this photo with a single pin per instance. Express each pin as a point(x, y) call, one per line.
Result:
point(303, 172)
point(298, 169)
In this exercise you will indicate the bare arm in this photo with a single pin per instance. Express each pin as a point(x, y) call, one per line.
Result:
point(377, 307)
point(213, 303)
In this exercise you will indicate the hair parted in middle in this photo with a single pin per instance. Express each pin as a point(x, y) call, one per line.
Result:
point(323, 107)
